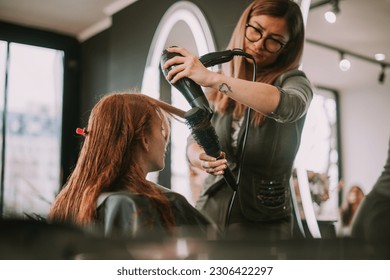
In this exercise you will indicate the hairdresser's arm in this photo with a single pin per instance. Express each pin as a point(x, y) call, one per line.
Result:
point(286, 103)
point(260, 97)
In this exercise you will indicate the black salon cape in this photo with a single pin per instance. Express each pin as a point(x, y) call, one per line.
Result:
point(132, 215)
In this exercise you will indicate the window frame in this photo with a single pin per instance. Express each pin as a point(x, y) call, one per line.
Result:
point(12, 33)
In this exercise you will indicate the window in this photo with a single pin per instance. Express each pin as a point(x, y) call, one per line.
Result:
point(31, 106)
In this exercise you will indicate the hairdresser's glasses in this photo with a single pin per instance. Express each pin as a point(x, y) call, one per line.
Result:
point(270, 44)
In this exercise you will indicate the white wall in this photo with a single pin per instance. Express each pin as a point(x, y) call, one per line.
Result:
point(365, 132)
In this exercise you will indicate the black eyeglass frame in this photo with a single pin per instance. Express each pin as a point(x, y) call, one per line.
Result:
point(282, 45)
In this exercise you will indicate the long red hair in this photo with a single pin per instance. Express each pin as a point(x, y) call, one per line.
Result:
point(107, 160)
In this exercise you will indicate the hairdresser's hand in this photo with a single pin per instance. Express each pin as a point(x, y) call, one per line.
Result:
point(188, 65)
point(213, 165)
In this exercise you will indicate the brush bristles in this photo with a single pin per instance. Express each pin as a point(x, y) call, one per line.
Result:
point(202, 131)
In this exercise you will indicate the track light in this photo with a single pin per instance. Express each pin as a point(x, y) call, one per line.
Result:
point(344, 63)
point(382, 75)
point(331, 15)
point(380, 56)
point(336, 7)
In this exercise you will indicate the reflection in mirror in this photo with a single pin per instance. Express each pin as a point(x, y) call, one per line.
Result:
point(319, 153)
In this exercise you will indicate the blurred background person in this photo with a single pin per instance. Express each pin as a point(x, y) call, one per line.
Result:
point(348, 209)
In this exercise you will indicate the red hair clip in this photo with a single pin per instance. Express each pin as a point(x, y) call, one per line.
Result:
point(81, 131)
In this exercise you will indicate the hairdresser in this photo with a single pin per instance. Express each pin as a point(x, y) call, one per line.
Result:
point(272, 31)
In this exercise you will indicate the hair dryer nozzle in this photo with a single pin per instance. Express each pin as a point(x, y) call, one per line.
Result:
point(220, 57)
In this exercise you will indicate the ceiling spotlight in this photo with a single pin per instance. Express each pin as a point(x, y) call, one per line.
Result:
point(331, 15)
point(344, 63)
point(380, 56)
point(382, 75)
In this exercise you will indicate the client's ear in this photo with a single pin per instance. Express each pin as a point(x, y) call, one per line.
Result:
point(145, 143)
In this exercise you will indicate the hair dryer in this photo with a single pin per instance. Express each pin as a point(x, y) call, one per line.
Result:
point(198, 118)
point(192, 92)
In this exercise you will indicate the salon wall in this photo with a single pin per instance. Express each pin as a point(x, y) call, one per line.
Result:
point(94, 65)
point(122, 51)
point(365, 133)
point(115, 60)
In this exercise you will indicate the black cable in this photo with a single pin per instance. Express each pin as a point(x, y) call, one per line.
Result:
point(247, 122)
